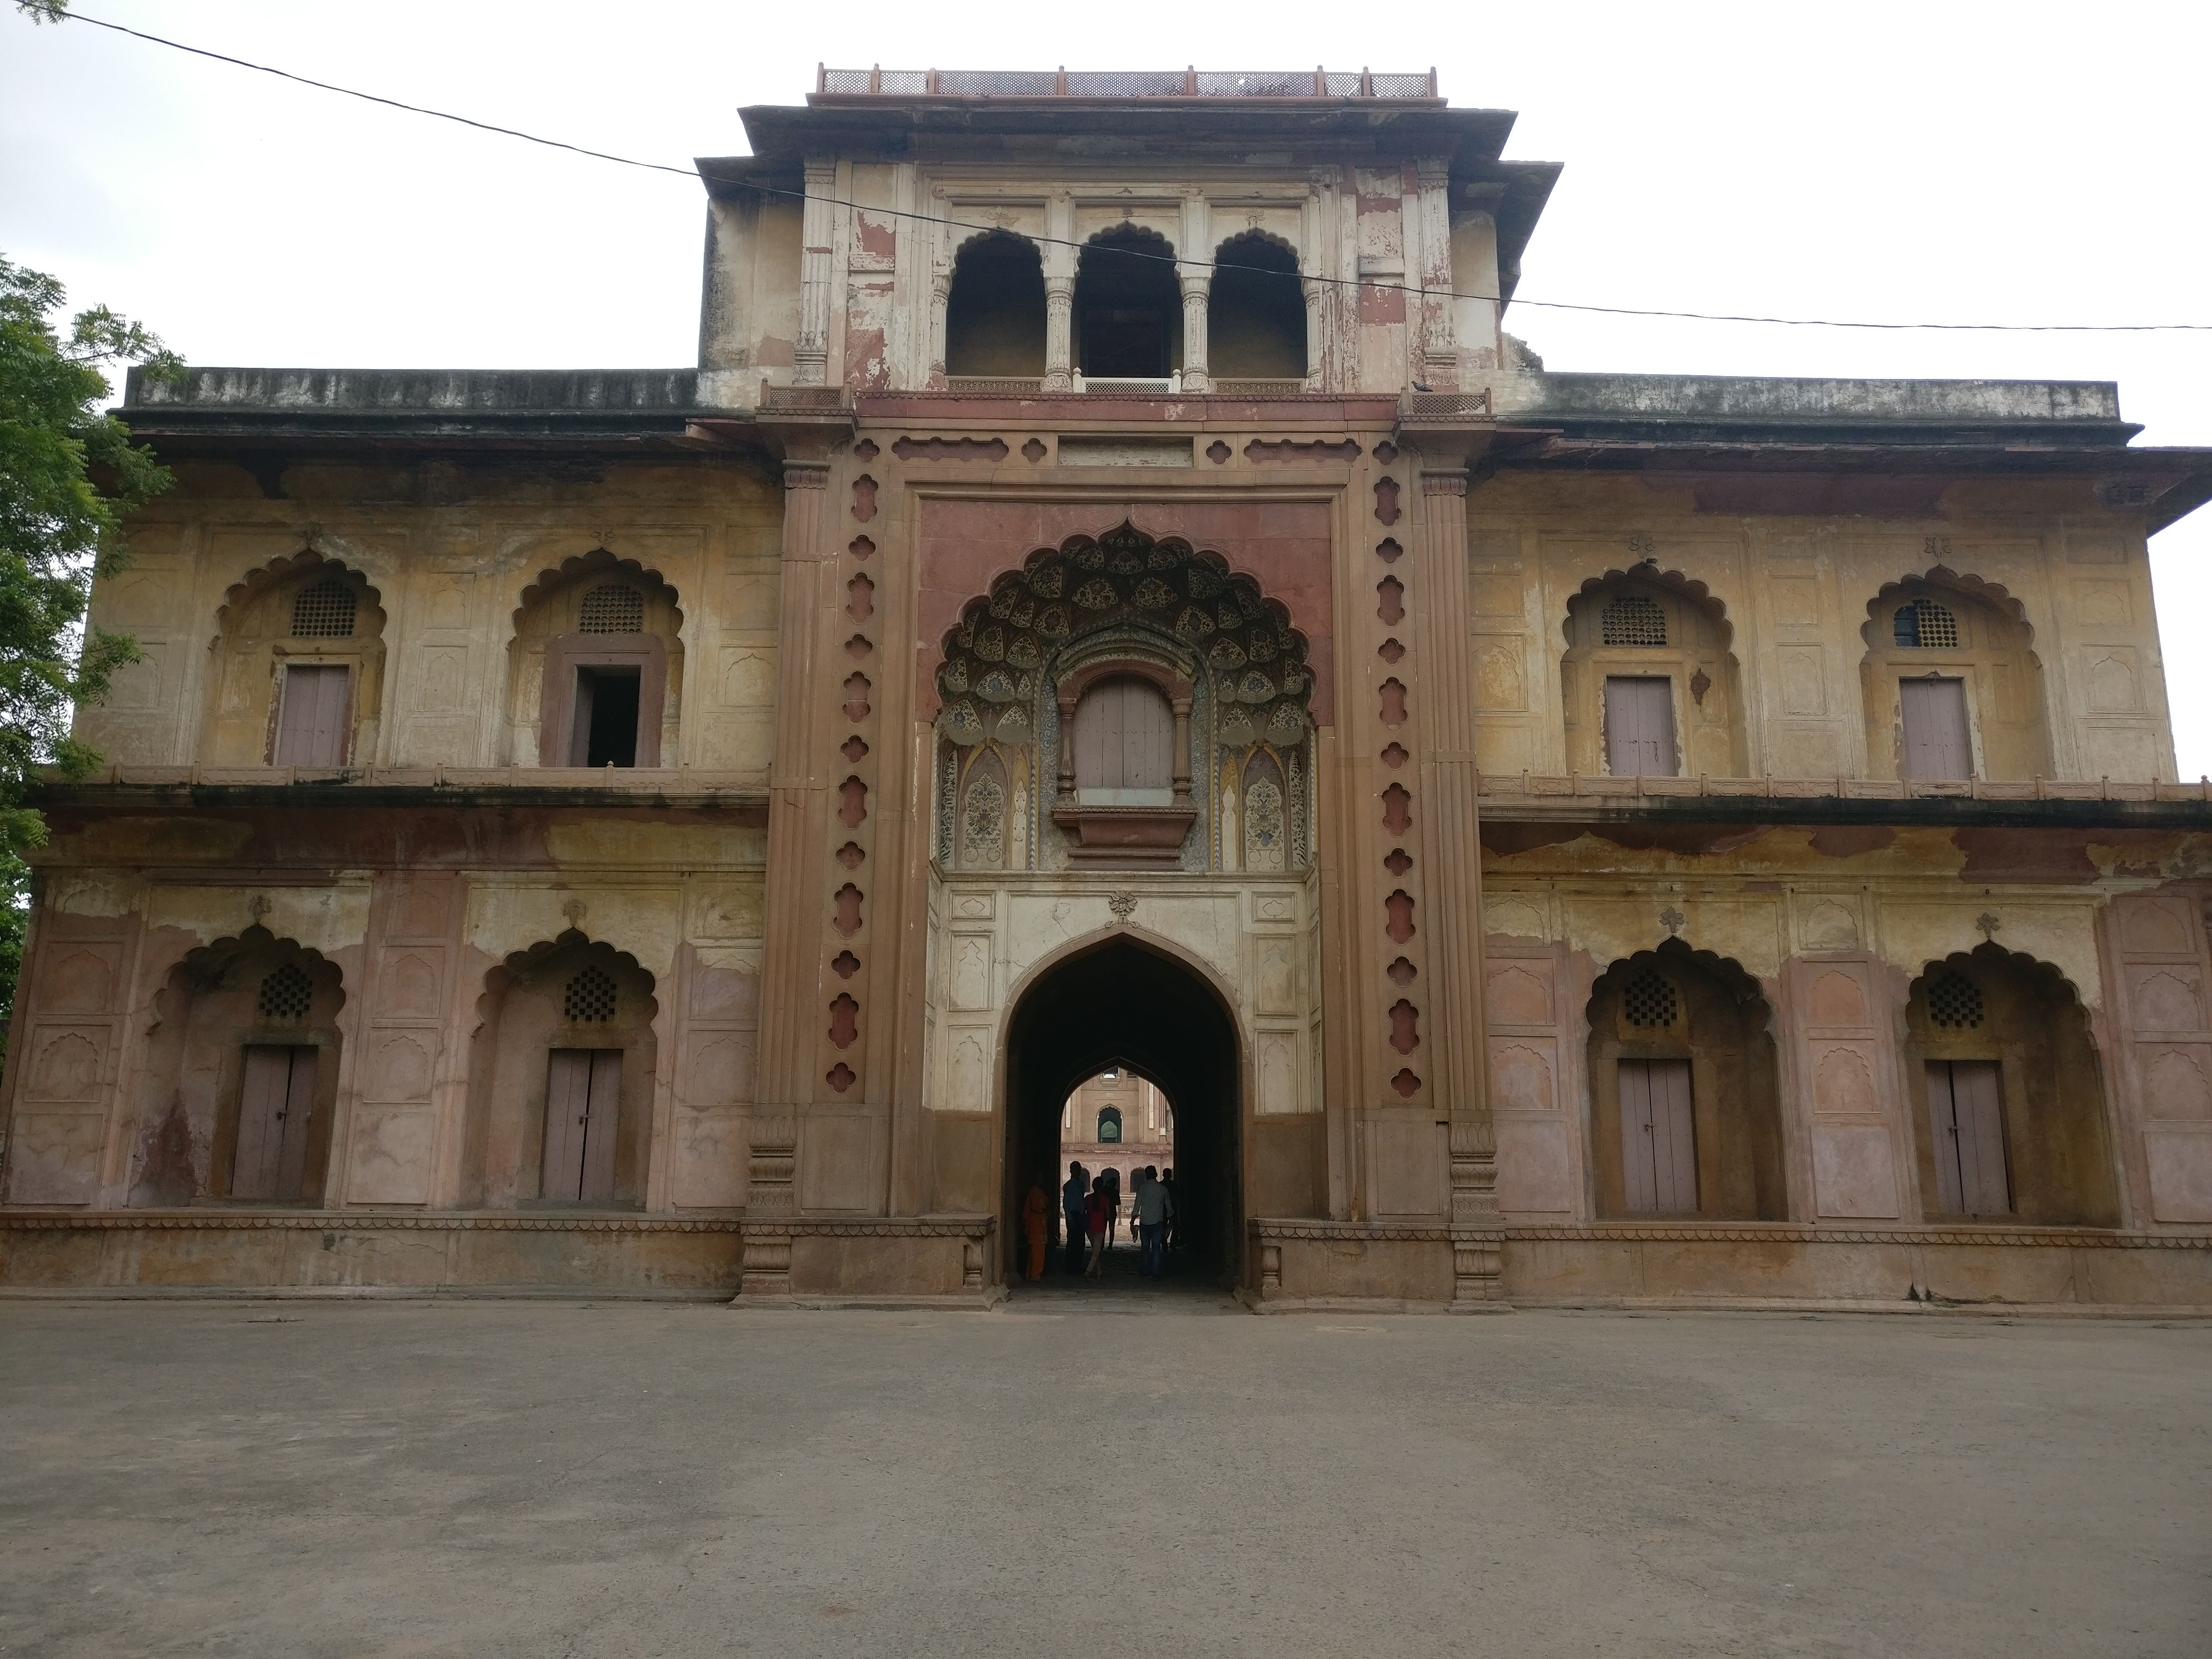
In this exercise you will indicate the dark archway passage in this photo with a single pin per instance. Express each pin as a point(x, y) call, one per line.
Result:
point(1124, 1005)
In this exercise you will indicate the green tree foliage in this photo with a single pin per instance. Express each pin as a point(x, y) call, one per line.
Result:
point(70, 477)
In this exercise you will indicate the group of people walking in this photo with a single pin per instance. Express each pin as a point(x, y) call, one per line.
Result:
point(1090, 1208)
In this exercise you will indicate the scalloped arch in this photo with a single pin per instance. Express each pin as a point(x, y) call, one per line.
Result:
point(202, 966)
point(1966, 584)
point(1256, 234)
point(258, 581)
point(1727, 970)
point(585, 564)
point(1989, 953)
point(1688, 587)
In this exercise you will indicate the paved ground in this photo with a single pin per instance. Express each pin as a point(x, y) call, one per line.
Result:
point(1153, 1476)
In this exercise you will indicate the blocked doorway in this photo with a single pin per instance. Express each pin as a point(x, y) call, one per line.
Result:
point(1122, 1006)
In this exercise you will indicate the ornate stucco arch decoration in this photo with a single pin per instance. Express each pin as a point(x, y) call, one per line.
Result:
point(1224, 655)
point(2048, 978)
point(309, 561)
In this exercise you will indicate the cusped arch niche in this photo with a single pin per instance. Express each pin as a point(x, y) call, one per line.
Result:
point(598, 628)
point(1192, 650)
point(304, 631)
point(1654, 646)
point(1946, 626)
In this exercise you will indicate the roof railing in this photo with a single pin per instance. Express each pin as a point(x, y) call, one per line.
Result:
point(876, 82)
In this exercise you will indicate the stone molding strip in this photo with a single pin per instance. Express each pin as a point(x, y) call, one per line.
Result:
point(1511, 786)
point(1751, 1233)
point(347, 1221)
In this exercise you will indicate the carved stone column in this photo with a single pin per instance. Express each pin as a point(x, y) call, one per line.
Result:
point(810, 361)
point(1195, 290)
point(1059, 333)
point(1448, 786)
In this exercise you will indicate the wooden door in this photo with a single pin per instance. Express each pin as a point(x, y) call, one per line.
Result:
point(1936, 741)
point(1124, 744)
point(1639, 727)
point(1966, 1110)
point(276, 1098)
point(312, 717)
point(1658, 1137)
point(583, 1104)
point(580, 718)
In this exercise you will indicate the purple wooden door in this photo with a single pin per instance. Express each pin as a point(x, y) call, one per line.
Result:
point(1639, 727)
point(277, 1097)
point(311, 721)
point(1935, 743)
point(1967, 1111)
point(583, 1101)
point(1658, 1139)
point(1124, 740)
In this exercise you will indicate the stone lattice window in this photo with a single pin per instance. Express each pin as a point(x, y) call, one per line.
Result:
point(1650, 999)
point(612, 609)
point(1954, 1002)
point(323, 611)
point(1633, 619)
point(590, 999)
point(1927, 626)
point(285, 995)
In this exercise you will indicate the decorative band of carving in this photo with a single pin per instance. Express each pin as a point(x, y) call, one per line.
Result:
point(805, 475)
point(1388, 1232)
point(1443, 484)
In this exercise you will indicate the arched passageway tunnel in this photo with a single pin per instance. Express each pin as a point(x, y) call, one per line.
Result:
point(1122, 1004)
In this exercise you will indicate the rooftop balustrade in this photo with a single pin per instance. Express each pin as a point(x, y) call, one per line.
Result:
point(879, 83)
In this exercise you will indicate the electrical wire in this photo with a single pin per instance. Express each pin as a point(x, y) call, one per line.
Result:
point(1134, 253)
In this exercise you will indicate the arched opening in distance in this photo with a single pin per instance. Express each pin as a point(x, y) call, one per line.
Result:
point(1255, 312)
point(994, 316)
point(1128, 307)
point(1126, 1008)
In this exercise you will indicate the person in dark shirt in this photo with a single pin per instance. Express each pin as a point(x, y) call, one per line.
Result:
point(1071, 1211)
point(1098, 1211)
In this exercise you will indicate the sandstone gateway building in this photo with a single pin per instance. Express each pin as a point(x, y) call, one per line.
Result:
point(1110, 596)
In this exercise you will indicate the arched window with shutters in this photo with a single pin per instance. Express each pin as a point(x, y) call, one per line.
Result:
point(299, 669)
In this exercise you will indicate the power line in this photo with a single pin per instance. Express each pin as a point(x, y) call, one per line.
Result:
point(1134, 253)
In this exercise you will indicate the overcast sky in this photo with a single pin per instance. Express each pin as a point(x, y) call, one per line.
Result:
point(2022, 163)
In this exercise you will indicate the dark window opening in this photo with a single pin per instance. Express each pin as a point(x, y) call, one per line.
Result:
point(1128, 307)
point(994, 317)
point(1255, 319)
point(606, 732)
point(1110, 1126)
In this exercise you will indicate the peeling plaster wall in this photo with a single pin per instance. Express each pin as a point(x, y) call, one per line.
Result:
point(449, 552)
point(1834, 937)
point(1796, 583)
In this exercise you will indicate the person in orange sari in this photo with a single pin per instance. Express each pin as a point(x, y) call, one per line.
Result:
point(1034, 1208)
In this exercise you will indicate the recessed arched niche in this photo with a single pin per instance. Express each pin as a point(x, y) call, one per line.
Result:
point(1124, 700)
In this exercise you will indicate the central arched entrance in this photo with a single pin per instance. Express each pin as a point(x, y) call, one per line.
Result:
point(1122, 1003)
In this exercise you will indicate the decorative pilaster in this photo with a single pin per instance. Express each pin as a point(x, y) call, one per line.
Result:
point(940, 302)
point(1460, 1062)
point(810, 361)
point(1316, 344)
point(797, 822)
point(1439, 353)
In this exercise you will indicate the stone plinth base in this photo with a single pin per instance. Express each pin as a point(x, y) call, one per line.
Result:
point(1323, 1266)
point(333, 1252)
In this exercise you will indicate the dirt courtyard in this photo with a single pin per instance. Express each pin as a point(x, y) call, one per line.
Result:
point(1120, 1474)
